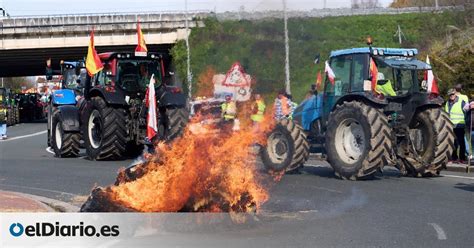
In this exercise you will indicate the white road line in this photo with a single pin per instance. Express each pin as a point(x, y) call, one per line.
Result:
point(439, 231)
point(50, 150)
point(24, 136)
point(454, 176)
point(39, 189)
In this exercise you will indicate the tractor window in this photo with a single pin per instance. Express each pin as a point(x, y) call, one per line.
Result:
point(135, 75)
point(342, 69)
point(104, 77)
point(360, 72)
point(405, 79)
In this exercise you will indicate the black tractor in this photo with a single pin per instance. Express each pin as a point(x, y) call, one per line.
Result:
point(111, 114)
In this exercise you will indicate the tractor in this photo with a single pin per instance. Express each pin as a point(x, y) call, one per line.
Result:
point(10, 103)
point(110, 117)
point(360, 126)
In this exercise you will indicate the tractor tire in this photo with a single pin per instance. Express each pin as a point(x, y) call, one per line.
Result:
point(302, 146)
point(437, 146)
point(287, 148)
point(175, 122)
point(358, 140)
point(105, 131)
point(65, 144)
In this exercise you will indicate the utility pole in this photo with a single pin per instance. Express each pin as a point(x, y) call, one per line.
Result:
point(2, 82)
point(188, 49)
point(325, 2)
point(436, 4)
point(287, 51)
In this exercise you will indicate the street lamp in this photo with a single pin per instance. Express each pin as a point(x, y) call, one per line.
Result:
point(287, 51)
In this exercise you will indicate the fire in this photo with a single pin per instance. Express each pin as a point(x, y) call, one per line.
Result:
point(205, 173)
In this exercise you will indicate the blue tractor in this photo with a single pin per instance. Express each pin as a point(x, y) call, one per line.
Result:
point(362, 123)
point(64, 138)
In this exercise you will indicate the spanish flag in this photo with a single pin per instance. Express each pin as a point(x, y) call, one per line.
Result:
point(141, 49)
point(374, 72)
point(93, 63)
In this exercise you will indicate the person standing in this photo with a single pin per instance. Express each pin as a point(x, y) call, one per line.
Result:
point(258, 110)
point(282, 107)
point(455, 108)
point(469, 127)
point(3, 119)
point(463, 97)
point(228, 113)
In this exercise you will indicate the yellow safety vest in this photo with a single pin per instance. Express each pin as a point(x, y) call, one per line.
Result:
point(229, 110)
point(456, 114)
point(464, 98)
point(258, 117)
point(386, 89)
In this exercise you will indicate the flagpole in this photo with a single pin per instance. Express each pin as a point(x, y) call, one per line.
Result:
point(287, 50)
point(188, 50)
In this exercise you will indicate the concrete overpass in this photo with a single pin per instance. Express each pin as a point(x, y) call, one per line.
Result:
point(26, 42)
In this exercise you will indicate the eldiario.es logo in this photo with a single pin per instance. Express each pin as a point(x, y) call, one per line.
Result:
point(46, 229)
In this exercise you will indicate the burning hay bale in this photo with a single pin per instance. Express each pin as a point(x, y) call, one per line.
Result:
point(196, 173)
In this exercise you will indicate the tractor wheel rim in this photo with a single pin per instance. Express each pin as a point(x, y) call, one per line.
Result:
point(278, 147)
point(95, 129)
point(350, 141)
point(58, 136)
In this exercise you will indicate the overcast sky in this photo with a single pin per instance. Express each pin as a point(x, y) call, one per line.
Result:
point(45, 7)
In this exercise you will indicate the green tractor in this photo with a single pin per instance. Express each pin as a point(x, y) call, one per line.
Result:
point(362, 123)
point(9, 102)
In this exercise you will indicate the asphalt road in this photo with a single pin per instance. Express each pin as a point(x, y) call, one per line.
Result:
point(310, 209)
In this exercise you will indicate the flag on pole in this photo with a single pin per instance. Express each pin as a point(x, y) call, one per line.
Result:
point(93, 63)
point(152, 126)
point(374, 72)
point(141, 49)
point(432, 85)
point(330, 73)
point(319, 80)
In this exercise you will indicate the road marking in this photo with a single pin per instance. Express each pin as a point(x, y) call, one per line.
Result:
point(454, 176)
point(439, 231)
point(39, 189)
point(50, 150)
point(24, 136)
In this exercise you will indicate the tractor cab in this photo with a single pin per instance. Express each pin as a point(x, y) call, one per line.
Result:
point(128, 73)
point(73, 74)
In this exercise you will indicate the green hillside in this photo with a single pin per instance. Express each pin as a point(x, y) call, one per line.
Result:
point(259, 45)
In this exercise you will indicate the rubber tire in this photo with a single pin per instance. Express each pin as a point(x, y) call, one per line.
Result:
point(176, 121)
point(70, 140)
point(114, 134)
point(298, 148)
point(440, 147)
point(377, 133)
point(302, 146)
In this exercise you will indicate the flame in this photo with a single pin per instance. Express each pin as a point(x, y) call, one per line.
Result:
point(200, 172)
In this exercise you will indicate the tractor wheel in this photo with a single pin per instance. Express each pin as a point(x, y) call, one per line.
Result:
point(357, 140)
point(301, 154)
point(287, 148)
point(176, 120)
point(433, 137)
point(64, 144)
point(105, 133)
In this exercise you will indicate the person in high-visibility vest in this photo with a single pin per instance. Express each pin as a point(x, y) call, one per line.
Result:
point(455, 108)
point(229, 109)
point(463, 97)
point(384, 86)
point(258, 109)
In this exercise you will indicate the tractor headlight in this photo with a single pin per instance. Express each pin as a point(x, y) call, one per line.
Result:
point(381, 52)
point(375, 52)
point(411, 53)
point(128, 55)
point(119, 56)
point(152, 56)
point(405, 53)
